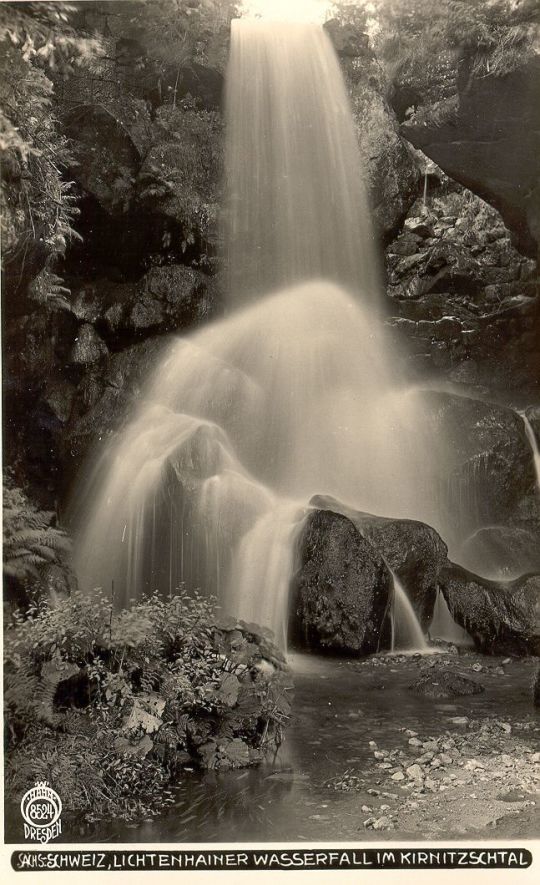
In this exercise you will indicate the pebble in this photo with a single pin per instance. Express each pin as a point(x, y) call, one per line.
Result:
point(415, 772)
point(366, 808)
point(445, 759)
point(473, 764)
point(398, 776)
point(414, 742)
point(459, 720)
point(477, 668)
point(379, 755)
point(372, 744)
point(383, 823)
point(411, 733)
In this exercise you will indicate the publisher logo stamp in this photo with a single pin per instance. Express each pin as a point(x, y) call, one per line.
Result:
point(41, 808)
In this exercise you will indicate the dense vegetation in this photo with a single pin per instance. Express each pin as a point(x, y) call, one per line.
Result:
point(424, 47)
point(111, 707)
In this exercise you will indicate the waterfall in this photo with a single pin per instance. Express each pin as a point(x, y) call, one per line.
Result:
point(407, 633)
point(443, 625)
point(533, 442)
point(295, 392)
point(296, 205)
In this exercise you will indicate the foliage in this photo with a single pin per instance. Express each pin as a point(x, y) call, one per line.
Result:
point(421, 43)
point(34, 549)
point(36, 43)
point(181, 31)
point(146, 691)
point(182, 172)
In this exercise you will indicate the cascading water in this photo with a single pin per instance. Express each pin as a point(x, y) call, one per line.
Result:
point(407, 633)
point(535, 449)
point(291, 395)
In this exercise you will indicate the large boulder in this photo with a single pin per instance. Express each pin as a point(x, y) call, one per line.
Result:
point(342, 590)
point(413, 550)
point(490, 143)
point(505, 551)
point(501, 617)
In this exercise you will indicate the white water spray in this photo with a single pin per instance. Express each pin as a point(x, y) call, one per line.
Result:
point(292, 395)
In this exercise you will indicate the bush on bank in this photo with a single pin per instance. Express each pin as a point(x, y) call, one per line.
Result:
point(110, 708)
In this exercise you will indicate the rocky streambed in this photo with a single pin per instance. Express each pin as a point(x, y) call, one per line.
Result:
point(379, 748)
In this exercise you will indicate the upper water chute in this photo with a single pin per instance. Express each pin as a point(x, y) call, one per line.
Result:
point(296, 205)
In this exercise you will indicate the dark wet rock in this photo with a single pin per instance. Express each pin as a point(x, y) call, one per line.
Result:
point(536, 687)
point(103, 399)
point(491, 468)
point(412, 549)
point(503, 549)
point(58, 396)
point(167, 298)
point(491, 144)
point(342, 589)
point(439, 682)
point(88, 347)
point(501, 617)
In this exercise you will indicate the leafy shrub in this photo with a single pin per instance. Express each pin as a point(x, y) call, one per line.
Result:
point(146, 691)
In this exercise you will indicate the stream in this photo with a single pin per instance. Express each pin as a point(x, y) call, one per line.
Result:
point(340, 705)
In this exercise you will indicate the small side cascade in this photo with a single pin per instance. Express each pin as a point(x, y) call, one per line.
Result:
point(533, 442)
point(444, 627)
point(407, 634)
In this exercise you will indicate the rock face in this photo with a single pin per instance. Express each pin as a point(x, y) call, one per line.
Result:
point(413, 550)
point(461, 293)
point(342, 589)
point(492, 146)
point(165, 299)
point(501, 617)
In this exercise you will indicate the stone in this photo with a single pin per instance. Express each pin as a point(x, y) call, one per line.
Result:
point(398, 776)
point(444, 683)
point(415, 772)
point(412, 549)
point(509, 549)
point(501, 617)
point(341, 590)
point(88, 347)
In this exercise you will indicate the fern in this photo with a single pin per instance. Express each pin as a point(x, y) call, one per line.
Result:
point(31, 543)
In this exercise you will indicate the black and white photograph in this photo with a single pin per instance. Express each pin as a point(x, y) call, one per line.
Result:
point(271, 434)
